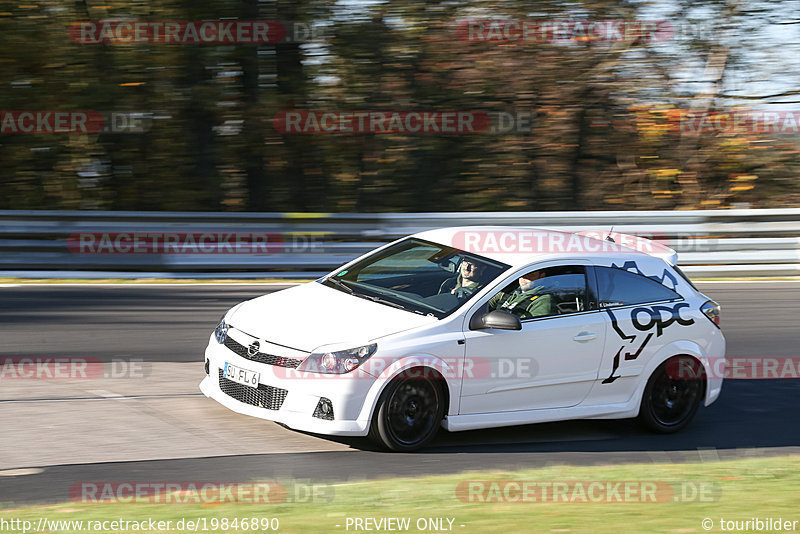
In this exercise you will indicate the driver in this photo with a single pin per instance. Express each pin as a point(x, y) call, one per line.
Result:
point(527, 300)
point(468, 279)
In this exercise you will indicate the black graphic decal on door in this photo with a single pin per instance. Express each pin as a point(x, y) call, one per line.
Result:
point(644, 319)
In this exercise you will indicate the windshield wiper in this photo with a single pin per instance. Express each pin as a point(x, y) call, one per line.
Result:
point(339, 283)
point(381, 301)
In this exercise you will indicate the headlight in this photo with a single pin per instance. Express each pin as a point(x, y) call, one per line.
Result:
point(221, 331)
point(337, 362)
point(711, 310)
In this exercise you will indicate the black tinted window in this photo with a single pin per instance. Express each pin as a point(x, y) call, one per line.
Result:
point(419, 276)
point(618, 287)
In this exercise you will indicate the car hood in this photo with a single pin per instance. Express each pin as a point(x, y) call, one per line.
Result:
point(310, 315)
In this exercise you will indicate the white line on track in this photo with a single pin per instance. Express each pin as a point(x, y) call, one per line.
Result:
point(20, 472)
point(103, 393)
point(103, 396)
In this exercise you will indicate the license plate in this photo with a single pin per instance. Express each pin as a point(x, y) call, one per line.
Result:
point(242, 376)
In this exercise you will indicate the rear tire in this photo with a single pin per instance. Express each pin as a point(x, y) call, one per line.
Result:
point(669, 404)
point(409, 413)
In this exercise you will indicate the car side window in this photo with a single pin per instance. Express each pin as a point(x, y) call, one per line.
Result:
point(617, 287)
point(544, 292)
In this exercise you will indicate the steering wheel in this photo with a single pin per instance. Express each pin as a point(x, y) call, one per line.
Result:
point(463, 292)
point(446, 286)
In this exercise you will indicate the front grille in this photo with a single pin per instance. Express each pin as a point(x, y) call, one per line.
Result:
point(267, 397)
point(260, 357)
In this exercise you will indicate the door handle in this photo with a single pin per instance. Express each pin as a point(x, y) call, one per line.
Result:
point(584, 336)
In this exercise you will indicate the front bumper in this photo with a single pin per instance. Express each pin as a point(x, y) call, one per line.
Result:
point(303, 391)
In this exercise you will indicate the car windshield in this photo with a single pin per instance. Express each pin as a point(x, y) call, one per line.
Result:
point(418, 276)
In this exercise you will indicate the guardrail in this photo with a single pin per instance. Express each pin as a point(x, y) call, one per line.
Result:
point(713, 243)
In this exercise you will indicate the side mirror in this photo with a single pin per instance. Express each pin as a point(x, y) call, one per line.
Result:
point(495, 319)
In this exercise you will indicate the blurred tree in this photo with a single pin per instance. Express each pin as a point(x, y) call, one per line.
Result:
point(599, 123)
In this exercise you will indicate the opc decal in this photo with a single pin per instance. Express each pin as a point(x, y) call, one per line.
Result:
point(645, 319)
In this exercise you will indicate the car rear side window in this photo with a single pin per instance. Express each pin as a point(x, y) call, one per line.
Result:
point(617, 287)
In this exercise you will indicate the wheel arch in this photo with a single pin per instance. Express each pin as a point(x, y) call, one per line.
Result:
point(434, 366)
point(671, 350)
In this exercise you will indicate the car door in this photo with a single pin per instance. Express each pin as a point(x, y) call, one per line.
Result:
point(552, 362)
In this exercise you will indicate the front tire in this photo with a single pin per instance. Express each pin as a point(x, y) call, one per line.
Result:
point(669, 404)
point(408, 413)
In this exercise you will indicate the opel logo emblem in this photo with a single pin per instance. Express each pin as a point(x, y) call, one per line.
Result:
point(252, 350)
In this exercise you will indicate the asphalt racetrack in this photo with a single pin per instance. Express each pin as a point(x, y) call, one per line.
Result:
point(150, 422)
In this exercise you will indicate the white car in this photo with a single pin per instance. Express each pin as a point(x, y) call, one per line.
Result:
point(474, 327)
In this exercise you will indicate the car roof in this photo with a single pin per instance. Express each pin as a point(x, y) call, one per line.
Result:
point(519, 246)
